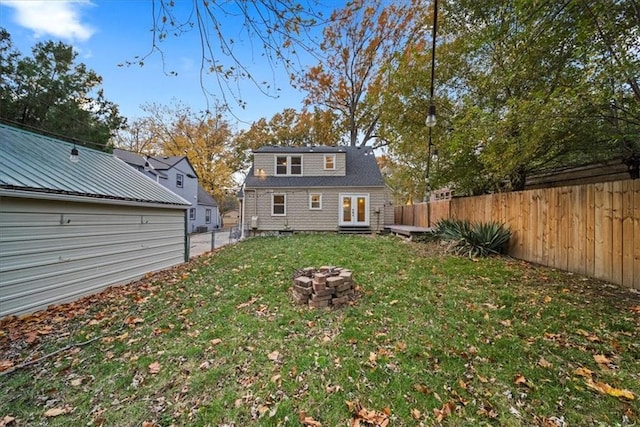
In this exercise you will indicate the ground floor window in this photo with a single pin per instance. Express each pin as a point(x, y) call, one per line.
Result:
point(192, 213)
point(278, 204)
point(315, 201)
point(207, 216)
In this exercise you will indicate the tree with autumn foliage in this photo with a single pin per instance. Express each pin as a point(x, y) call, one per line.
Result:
point(205, 138)
point(359, 40)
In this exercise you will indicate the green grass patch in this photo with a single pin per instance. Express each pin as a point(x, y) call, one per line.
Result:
point(432, 339)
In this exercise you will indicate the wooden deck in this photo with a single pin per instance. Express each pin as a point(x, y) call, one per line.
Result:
point(407, 230)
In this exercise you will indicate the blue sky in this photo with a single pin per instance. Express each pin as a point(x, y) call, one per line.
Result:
point(111, 32)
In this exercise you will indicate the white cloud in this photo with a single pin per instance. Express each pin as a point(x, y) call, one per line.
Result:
point(56, 18)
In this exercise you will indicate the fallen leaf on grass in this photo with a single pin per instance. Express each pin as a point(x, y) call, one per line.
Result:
point(422, 388)
point(7, 421)
point(55, 412)
point(360, 413)
point(154, 368)
point(133, 320)
point(274, 355)
point(601, 359)
point(543, 363)
point(5, 365)
point(308, 421)
point(583, 372)
point(446, 410)
point(607, 389)
point(416, 414)
point(636, 309)
point(520, 379)
point(215, 341)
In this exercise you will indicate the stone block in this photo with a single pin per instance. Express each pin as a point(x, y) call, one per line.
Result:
point(344, 287)
point(316, 297)
point(319, 303)
point(317, 287)
point(346, 275)
point(320, 278)
point(303, 281)
point(300, 299)
point(323, 292)
point(326, 268)
point(302, 290)
point(334, 281)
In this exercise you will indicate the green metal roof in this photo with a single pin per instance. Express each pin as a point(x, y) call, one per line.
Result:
point(40, 164)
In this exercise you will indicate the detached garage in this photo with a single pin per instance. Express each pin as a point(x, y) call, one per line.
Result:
point(70, 227)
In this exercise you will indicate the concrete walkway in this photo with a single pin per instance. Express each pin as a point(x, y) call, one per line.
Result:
point(201, 243)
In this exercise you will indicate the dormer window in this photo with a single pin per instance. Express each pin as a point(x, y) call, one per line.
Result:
point(288, 165)
point(330, 162)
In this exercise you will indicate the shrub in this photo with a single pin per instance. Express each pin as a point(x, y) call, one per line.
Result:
point(472, 239)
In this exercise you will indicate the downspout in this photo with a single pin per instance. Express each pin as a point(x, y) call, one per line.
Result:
point(186, 236)
point(243, 202)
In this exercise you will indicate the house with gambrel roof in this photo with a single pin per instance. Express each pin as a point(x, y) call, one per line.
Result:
point(315, 188)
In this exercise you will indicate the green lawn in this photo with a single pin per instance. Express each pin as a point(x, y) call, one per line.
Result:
point(431, 340)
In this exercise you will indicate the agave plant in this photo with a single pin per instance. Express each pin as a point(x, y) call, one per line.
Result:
point(472, 239)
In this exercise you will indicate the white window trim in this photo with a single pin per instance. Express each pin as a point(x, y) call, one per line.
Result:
point(207, 216)
point(192, 214)
point(324, 160)
point(288, 173)
point(272, 204)
point(181, 184)
point(311, 208)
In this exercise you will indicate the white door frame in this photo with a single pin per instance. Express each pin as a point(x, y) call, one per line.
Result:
point(350, 217)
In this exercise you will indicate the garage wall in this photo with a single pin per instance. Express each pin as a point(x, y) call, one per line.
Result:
point(55, 251)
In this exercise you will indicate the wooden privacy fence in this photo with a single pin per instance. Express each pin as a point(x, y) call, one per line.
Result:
point(591, 229)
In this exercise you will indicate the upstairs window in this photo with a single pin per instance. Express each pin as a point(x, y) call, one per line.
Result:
point(330, 162)
point(288, 165)
point(179, 180)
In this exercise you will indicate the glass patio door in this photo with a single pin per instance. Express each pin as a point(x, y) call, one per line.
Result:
point(354, 209)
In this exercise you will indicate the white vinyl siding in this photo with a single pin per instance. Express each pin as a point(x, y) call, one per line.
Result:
point(312, 164)
point(53, 251)
point(300, 218)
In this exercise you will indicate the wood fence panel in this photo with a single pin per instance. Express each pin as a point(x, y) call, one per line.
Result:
point(627, 234)
point(565, 229)
point(593, 229)
point(544, 227)
point(590, 231)
point(636, 233)
point(616, 232)
point(598, 259)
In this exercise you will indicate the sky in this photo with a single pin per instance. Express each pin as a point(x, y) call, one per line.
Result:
point(106, 33)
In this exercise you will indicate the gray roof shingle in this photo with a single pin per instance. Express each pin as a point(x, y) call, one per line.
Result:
point(362, 169)
point(40, 164)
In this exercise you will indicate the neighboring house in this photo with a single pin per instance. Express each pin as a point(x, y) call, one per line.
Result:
point(177, 174)
point(230, 218)
point(315, 188)
point(73, 228)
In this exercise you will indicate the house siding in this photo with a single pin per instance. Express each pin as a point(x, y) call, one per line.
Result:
point(300, 218)
point(312, 163)
point(54, 251)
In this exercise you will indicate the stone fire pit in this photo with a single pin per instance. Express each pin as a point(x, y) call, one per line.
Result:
point(324, 287)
